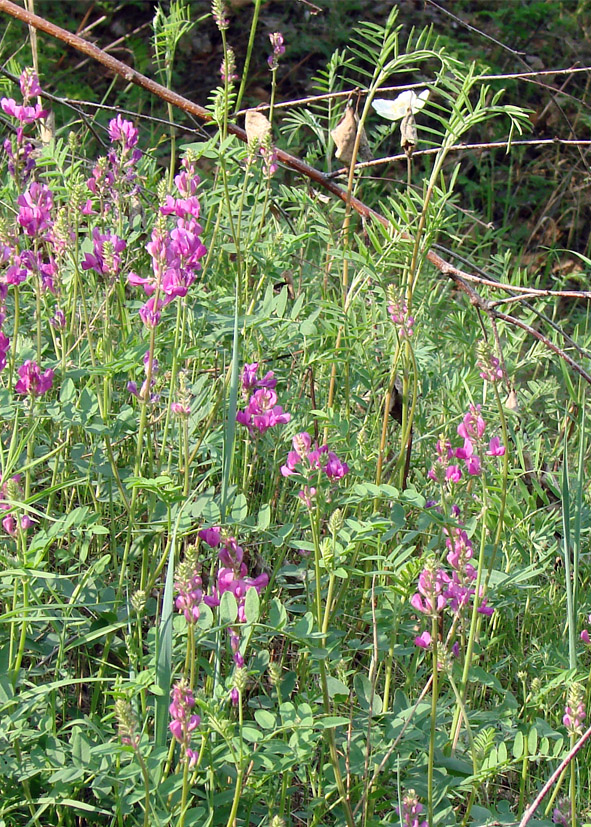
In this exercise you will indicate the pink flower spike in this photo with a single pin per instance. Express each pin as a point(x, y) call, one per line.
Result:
point(585, 637)
point(32, 381)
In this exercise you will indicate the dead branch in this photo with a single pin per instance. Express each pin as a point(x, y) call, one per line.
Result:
point(129, 74)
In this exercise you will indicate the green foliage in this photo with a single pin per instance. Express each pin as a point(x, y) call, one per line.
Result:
point(156, 542)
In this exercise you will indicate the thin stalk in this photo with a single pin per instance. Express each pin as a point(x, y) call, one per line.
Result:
point(433, 728)
point(474, 622)
point(249, 48)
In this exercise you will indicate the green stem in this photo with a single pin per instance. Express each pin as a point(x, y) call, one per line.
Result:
point(434, 693)
point(245, 68)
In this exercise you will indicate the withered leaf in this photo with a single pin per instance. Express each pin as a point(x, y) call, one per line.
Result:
point(408, 131)
point(344, 135)
point(258, 127)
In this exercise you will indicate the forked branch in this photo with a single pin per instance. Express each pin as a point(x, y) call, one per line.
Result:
point(462, 279)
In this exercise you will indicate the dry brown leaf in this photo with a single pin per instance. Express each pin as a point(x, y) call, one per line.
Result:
point(258, 127)
point(511, 401)
point(344, 135)
point(408, 131)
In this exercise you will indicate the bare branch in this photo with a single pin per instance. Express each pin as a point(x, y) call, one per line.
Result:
point(461, 278)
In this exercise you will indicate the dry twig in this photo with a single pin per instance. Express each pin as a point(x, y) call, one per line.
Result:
point(460, 278)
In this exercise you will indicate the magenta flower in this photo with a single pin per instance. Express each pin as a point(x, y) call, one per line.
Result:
point(398, 311)
point(232, 576)
point(24, 114)
point(187, 180)
point(105, 258)
point(35, 209)
point(4, 348)
point(430, 598)
point(228, 68)
point(211, 536)
point(123, 132)
point(143, 392)
point(32, 381)
point(29, 84)
point(11, 526)
point(183, 721)
point(574, 715)
point(307, 494)
point(150, 312)
point(334, 468)
point(424, 640)
point(585, 637)
point(495, 449)
point(472, 425)
point(58, 320)
point(490, 368)
point(410, 810)
point(262, 411)
point(189, 596)
point(180, 409)
point(278, 49)
point(453, 473)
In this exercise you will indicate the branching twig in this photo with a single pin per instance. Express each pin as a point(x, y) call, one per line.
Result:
point(555, 775)
point(401, 156)
point(460, 278)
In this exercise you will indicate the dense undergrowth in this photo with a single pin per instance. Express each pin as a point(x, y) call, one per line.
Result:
point(293, 532)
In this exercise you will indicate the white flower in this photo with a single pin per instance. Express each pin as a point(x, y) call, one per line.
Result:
point(396, 109)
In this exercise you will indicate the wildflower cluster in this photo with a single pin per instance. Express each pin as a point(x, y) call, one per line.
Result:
point(32, 381)
point(312, 460)
point(574, 711)
point(410, 810)
point(262, 411)
point(126, 723)
point(106, 256)
point(276, 39)
point(399, 315)
point(184, 720)
point(117, 167)
point(21, 162)
point(11, 491)
point(490, 367)
point(34, 222)
point(176, 253)
point(232, 573)
point(439, 589)
point(142, 393)
point(228, 67)
point(220, 14)
point(188, 584)
point(471, 429)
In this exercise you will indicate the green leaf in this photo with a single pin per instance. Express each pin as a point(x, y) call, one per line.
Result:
point(277, 614)
point(264, 517)
point(478, 675)
point(265, 719)
point(518, 745)
point(252, 605)
point(332, 721)
point(336, 687)
point(228, 609)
